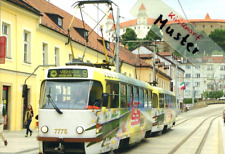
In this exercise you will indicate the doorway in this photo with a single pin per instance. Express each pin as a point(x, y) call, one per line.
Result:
point(5, 100)
point(26, 101)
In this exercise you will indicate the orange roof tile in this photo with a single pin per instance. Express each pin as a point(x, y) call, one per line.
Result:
point(110, 16)
point(165, 53)
point(128, 23)
point(207, 17)
point(146, 56)
point(142, 7)
point(25, 5)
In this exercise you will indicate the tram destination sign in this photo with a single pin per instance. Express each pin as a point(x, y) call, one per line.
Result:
point(68, 73)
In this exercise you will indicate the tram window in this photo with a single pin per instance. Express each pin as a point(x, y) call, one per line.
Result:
point(155, 101)
point(123, 95)
point(141, 98)
point(146, 99)
point(136, 93)
point(70, 94)
point(174, 101)
point(129, 95)
point(95, 98)
point(167, 100)
point(149, 99)
point(161, 100)
point(113, 91)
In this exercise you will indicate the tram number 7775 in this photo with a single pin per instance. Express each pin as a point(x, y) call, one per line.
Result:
point(60, 131)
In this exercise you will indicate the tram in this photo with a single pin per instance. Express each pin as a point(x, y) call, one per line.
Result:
point(85, 109)
point(163, 109)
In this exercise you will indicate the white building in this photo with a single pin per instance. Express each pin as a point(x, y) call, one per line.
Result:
point(141, 25)
point(208, 74)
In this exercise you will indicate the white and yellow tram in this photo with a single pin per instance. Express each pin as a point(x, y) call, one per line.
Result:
point(92, 110)
point(163, 109)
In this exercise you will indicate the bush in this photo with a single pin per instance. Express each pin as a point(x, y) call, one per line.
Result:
point(213, 94)
point(189, 100)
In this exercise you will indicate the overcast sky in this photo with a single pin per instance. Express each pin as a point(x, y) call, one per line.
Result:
point(194, 9)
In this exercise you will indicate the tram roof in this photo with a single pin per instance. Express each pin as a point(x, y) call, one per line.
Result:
point(161, 90)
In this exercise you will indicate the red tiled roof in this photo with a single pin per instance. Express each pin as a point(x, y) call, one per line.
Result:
point(166, 67)
point(207, 17)
point(126, 55)
point(157, 60)
point(215, 59)
point(151, 21)
point(128, 23)
point(165, 53)
point(110, 16)
point(25, 5)
point(161, 64)
point(145, 56)
point(142, 7)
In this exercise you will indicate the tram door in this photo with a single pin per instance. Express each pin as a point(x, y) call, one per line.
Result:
point(5, 94)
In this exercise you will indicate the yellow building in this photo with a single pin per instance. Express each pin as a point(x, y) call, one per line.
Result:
point(36, 33)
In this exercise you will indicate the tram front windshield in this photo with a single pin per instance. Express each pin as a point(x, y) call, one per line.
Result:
point(71, 94)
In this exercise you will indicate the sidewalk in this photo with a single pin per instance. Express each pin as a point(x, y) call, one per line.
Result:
point(18, 143)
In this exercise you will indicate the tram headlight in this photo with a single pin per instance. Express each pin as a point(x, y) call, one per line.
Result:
point(44, 129)
point(80, 129)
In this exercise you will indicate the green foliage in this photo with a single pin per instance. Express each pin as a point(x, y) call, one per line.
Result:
point(213, 94)
point(153, 34)
point(218, 36)
point(130, 35)
point(176, 53)
point(189, 100)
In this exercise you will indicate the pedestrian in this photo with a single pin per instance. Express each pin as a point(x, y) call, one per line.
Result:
point(3, 121)
point(224, 116)
point(28, 118)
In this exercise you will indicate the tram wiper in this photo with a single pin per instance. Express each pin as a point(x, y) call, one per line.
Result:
point(53, 103)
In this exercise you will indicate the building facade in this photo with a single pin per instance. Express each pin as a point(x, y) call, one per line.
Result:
point(207, 75)
point(167, 63)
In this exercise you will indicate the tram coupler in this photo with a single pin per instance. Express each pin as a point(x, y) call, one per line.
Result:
point(60, 149)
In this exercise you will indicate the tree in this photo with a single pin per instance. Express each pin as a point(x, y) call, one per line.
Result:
point(213, 94)
point(130, 35)
point(153, 34)
point(218, 36)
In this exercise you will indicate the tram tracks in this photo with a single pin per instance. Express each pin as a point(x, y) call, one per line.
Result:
point(191, 134)
point(185, 119)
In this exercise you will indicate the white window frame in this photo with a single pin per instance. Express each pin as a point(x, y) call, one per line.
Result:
point(60, 21)
point(57, 55)
point(8, 36)
point(210, 67)
point(198, 84)
point(45, 53)
point(187, 74)
point(27, 54)
point(198, 75)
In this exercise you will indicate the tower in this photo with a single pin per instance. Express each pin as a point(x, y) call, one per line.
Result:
point(142, 16)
